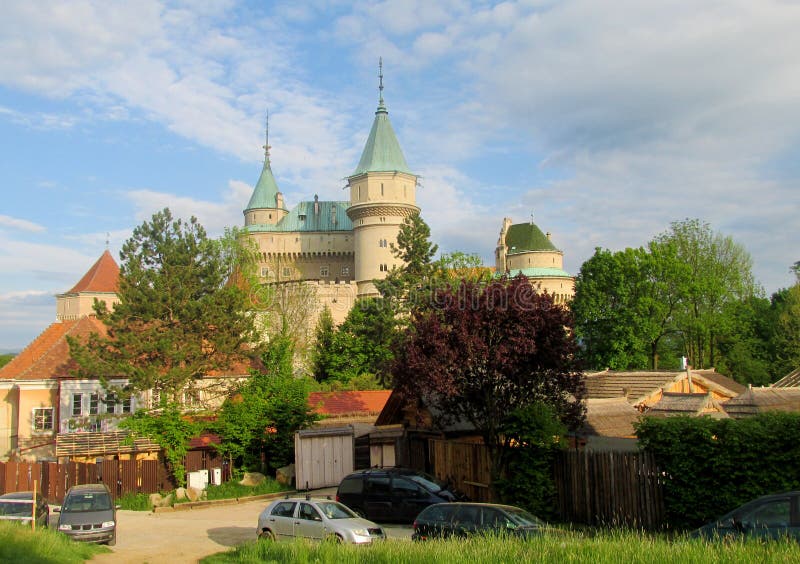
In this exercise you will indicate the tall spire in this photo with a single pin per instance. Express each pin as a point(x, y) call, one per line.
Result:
point(266, 145)
point(382, 153)
point(265, 195)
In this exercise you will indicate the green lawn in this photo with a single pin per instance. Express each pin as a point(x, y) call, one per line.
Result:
point(20, 544)
point(620, 547)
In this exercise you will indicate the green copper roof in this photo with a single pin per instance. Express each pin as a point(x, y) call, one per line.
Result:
point(537, 272)
point(382, 152)
point(523, 237)
point(264, 195)
point(331, 216)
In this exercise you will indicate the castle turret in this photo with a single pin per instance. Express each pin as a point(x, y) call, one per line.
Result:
point(266, 206)
point(382, 195)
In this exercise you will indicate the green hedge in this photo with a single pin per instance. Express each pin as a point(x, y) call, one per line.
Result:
point(714, 465)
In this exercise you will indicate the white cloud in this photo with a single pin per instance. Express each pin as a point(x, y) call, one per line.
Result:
point(21, 224)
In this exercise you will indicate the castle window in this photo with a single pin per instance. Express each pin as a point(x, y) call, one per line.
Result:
point(264, 272)
point(42, 418)
point(286, 271)
point(384, 268)
point(324, 271)
point(270, 216)
point(381, 188)
point(77, 404)
point(345, 271)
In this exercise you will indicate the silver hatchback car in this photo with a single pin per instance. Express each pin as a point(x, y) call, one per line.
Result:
point(317, 519)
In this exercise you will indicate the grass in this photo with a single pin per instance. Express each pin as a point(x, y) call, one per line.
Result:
point(20, 544)
point(228, 490)
point(624, 547)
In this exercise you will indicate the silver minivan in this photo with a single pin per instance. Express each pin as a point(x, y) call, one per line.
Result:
point(88, 514)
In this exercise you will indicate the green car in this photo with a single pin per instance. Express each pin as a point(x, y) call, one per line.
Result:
point(768, 517)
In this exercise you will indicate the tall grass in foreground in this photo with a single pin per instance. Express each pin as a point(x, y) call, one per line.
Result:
point(606, 547)
point(20, 544)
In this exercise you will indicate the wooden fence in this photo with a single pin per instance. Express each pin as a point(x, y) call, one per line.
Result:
point(593, 488)
point(121, 476)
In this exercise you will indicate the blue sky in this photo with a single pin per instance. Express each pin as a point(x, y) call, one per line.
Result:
point(605, 121)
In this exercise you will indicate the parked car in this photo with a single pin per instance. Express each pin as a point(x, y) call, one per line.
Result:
point(317, 519)
point(88, 514)
point(18, 506)
point(464, 519)
point(391, 494)
point(767, 517)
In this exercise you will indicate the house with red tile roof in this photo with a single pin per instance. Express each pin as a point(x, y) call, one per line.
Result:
point(342, 407)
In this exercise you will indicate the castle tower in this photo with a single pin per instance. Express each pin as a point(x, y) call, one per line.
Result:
point(266, 205)
point(382, 195)
point(100, 282)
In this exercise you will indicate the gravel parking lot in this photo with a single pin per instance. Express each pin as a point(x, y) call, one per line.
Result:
point(186, 536)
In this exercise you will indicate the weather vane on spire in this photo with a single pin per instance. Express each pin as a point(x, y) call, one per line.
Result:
point(266, 145)
point(380, 77)
point(108, 236)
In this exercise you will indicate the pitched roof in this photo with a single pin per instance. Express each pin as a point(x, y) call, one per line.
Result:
point(636, 386)
point(47, 356)
point(525, 237)
point(369, 402)
point(103, 276)
point(382, 153)
point(791, 380)
point(676, 403)
point(312, 216)
point(610, 417)
point(717, 382)
point(759, 400)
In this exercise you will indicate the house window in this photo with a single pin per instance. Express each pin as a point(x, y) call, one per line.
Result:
point(323, 271)
point(155, 399)
point(94, 404)
point(111, 402)
point(345, 271)
point(42, 419)
point(127, 404)
point(384, 268)
point(190, 397)
point(77, 405)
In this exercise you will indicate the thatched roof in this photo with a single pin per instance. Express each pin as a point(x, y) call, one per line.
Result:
point(610, 417)
point(760, 400)
point(635, 386)
point(791, 380)
point(673, 403)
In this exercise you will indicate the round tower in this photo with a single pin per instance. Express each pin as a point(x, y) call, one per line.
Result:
point(266, 205)
point(382, 195)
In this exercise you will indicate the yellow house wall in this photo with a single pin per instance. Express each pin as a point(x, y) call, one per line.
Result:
point(8, 420)
point(30, 398)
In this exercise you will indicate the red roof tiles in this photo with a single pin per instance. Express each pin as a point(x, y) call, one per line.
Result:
point(369, 402)
point(48, 355)
point(102, 277)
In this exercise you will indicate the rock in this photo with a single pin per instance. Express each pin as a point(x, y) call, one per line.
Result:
point(252, 478)
point(180, 494)
point(166, 501)
point(155, 500)
point(285, 475)
point(194, 493)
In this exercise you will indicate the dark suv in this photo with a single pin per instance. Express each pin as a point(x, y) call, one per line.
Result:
point(391, 494)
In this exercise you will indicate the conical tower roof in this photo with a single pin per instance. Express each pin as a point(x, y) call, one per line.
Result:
point(266, 191)
point(382, 152)
point(103, 276)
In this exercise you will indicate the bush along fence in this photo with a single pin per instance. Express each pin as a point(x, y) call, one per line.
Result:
point(121, 476)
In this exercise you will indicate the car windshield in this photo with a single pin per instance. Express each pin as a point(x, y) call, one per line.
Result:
point(18, 508)
point(334, 510)
point(426, 481)
point(523, 518)
point(87, 501)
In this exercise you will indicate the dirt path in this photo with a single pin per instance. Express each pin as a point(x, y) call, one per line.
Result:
point(187, 536)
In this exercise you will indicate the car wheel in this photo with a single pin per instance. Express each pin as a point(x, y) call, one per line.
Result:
point(335, 539)
point(267, 535)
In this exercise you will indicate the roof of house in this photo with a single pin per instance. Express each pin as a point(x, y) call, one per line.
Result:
point(311, 216)
point(369, 402)
point(103, 276)
point(382, 152)
point(47, 356)
point(791, 380)
point(610, 417)
point(676, 403)
point(527, 237)
point(759, 400)
point(717, 382)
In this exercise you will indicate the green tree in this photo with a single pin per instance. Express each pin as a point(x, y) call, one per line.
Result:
point(178, 318)
point(170, 428)
point(786, 336)
point(744, 351)
point(257, 424)
point(5, 359)
point(720, 272)
point(624, 305)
